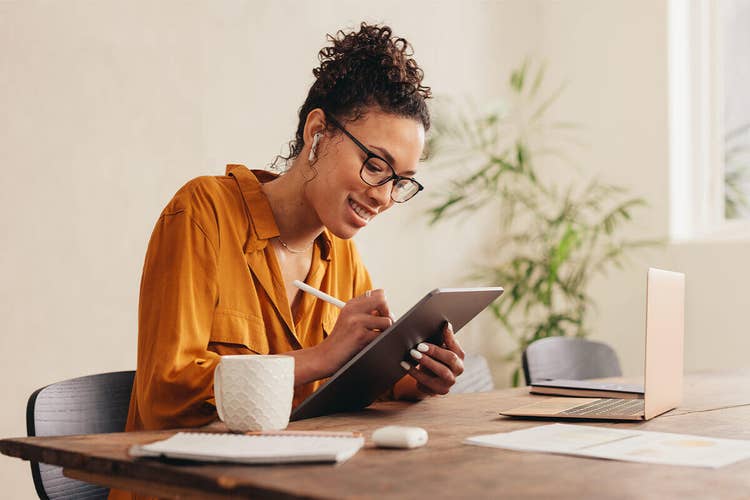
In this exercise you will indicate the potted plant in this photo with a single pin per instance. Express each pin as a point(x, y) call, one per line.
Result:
point(553, 236)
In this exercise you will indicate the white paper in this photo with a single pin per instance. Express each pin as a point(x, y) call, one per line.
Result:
point(621, 444)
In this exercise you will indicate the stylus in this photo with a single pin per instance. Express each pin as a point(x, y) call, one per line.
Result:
point(321, 295)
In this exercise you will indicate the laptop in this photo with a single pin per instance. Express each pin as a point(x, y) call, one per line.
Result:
point(662, 381)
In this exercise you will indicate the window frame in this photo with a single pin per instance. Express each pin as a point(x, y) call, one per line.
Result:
point(696, 125)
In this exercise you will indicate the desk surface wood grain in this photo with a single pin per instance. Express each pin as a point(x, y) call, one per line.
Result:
point(715, 404)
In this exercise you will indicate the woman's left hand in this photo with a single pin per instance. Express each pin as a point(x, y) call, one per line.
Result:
point(438, 366)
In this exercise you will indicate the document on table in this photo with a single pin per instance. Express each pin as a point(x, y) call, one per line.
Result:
point(621, 444)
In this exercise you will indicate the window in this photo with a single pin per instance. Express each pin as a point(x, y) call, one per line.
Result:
point(735, 51)
point(709, 69)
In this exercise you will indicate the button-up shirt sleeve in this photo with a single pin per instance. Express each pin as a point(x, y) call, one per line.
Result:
point(179, 291)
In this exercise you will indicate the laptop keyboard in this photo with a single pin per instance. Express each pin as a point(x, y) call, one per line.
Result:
point(604, 407)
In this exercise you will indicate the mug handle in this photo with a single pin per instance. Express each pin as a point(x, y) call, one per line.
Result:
point(217, 390)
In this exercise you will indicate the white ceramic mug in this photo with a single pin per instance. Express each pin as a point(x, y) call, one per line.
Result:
point(254, 392)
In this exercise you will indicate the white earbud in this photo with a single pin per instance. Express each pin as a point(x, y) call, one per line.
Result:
point(316, 138)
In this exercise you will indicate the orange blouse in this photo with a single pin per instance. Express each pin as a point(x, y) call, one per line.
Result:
point(212, 286)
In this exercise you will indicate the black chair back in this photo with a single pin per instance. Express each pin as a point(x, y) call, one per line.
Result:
point(85, 405)
point(569, 358)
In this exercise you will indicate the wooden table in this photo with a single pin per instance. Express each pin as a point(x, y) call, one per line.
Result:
point(715, 404)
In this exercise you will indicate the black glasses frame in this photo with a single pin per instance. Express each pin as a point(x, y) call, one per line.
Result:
point(393, 177)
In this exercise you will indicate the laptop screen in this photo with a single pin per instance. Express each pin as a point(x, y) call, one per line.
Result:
point(665, 327)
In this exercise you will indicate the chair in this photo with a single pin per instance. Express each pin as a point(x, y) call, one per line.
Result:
point(569, 358)
point(476, 376)
point(84, 405)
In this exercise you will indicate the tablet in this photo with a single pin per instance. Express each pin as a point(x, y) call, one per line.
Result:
point(374, 369)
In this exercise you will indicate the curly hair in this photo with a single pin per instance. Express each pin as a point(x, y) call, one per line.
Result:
point(363, 69)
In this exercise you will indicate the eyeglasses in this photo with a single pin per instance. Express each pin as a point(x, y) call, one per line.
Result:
point(376, 171)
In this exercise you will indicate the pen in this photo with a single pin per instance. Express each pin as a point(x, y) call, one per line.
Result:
point(321, 295)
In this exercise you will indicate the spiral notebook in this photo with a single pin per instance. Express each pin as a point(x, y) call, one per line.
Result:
point(255, 448)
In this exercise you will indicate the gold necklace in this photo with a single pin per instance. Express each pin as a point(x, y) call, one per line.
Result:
point(292, 250)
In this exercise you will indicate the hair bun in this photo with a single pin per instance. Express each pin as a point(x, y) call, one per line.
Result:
point(371, 53)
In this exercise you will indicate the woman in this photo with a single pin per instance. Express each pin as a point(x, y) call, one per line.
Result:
point(218, 273)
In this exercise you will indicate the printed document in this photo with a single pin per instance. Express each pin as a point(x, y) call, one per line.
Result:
point(621, 444)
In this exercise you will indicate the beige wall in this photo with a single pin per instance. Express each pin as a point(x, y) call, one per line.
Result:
point(108, 107)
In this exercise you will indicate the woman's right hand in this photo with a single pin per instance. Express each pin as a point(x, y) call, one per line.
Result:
point(361, 320)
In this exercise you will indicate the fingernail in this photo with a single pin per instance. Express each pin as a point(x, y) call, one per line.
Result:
point(415, 354)
point(450, 327)
point(422, 347)
point(406, 366)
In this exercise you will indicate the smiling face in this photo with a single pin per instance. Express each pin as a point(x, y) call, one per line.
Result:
point(343, 202)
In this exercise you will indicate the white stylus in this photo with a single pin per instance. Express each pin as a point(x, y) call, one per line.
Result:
point(321, 295)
